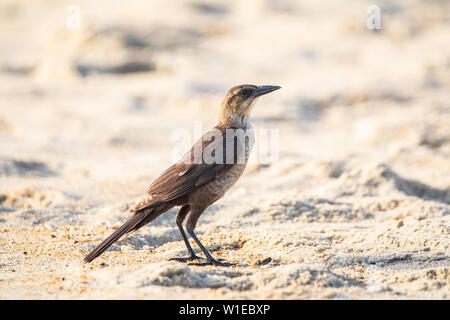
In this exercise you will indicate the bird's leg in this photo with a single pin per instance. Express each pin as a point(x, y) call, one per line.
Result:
point(190, 228)
point(211, 260)
point(180, 218)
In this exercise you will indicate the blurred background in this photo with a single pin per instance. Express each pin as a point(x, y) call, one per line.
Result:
point(92, 91)
point(95, 81)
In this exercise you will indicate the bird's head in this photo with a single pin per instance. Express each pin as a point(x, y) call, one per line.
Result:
point(239, 101)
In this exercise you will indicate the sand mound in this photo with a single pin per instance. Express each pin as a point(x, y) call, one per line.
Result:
point(167, 275)
point(10, 167)
point(27, 199)
point(381, 180)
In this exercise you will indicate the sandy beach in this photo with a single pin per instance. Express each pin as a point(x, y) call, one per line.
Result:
point(354, 203)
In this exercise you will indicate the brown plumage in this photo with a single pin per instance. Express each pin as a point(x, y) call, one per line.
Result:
point(202, 176)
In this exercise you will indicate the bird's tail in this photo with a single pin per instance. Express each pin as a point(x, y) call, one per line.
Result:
point(128, 226)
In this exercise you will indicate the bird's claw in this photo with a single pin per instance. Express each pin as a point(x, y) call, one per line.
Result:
point(186, 259)
point(214, 262)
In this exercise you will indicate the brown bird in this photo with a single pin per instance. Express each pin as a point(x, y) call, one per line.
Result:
point(202, 176)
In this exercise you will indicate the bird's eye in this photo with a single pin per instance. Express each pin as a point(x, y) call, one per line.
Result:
point(244, 92)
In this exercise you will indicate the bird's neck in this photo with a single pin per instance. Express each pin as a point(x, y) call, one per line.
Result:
point(229, 119)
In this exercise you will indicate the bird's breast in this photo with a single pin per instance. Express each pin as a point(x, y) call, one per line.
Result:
point(217, 188)
point(245, 144)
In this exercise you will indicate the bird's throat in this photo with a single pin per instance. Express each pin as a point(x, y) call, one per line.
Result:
point(230, 119)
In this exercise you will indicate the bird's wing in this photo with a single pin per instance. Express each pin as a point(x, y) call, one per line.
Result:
point(184, 176)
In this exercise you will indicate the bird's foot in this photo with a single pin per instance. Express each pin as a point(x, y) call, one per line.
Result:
point(214, 262)
point(186, 259)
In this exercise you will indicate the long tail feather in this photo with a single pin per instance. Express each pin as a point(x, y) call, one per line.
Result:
point(127, 227)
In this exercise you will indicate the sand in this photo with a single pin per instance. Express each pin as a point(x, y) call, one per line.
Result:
point(355, 205)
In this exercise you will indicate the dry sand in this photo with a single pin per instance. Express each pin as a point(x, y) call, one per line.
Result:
point(357, 207)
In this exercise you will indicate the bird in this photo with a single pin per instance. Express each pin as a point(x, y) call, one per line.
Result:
point(210, 168)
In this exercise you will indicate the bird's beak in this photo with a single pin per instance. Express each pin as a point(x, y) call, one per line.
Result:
point(264, 90)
